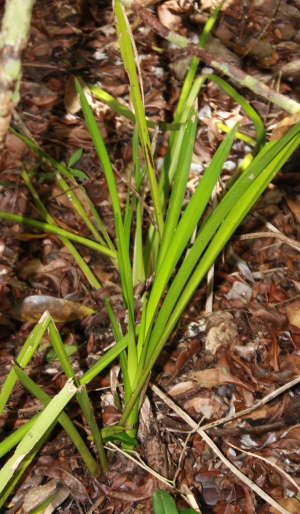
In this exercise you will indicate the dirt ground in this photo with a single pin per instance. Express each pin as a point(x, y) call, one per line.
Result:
point(223, 358)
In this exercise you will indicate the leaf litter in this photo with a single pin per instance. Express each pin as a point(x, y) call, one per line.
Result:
point(217, 364)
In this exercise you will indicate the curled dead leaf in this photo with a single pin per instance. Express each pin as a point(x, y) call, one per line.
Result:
point(295, 208)
point(32, 308)
point(292, 505)
point(293, 313)
point(217, 376)
point(223, 334)
point(72, 103)
point(284, 126)
point(77, 489)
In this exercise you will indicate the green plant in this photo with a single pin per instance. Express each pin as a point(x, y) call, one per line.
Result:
point(163, 503)
point(168, 254)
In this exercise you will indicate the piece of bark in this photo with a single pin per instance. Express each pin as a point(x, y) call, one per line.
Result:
point(13, 39)
point(150, 439)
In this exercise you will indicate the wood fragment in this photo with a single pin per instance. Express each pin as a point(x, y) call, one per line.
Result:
point(13, 40)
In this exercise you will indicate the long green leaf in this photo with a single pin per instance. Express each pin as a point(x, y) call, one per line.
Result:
point(48, 416)
point(45, 227)
point(187, 224)
point(174, 304)
point(127, 289)
point(63, 171)
point(73, 251)
point(100, 149)
point(81, 395)
point(254, 117)
point(126, 42)
point(27, 351)
point(179, 184)
point(105, 360)
point(9, 487)
point(138, 268)
point(63, 419)
point(266, 165)
point(84, 402)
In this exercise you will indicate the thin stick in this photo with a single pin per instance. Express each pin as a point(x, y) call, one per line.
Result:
point(284, 473)
point(185, 493)
point(216, 450)
point(261, 402)
point(281, 237)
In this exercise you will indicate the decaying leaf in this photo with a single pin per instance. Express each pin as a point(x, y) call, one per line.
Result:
point(293, 314)
point(216, 376)
point(37, 495)
point(295, 208)
point(292, 505)
point(223, 334)
point(285, 126)
point(72, 102)
point(66, 477)
point(32, 308)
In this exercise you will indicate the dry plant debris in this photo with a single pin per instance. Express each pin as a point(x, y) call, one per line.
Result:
point(217, 364)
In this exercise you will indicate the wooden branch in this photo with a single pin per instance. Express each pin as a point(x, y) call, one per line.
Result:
point(231, 71)
point(13, 39)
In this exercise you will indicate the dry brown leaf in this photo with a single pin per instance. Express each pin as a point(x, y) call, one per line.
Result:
point(36, 266)
point(170, 14)
point(293, 314)
point(37, 495)
point(292, 505)
point(223, 334)
point(78, 490)
point(180, 388)
point(72, 103)
point(200, 405)
point(217, 376)
point(39, 95)
point(291, 70)
point(284, 126)
point(16, 148)
point(295, 208)
point(33, 307)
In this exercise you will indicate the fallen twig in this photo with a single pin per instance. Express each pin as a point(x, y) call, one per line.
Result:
point(13, 39)
point(276, 235)
point(258, 404)
point(235, 73)
point(216, 450)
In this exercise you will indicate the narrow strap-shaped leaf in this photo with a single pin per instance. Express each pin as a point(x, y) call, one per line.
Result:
point(187, 224)
point(48, 416)
point(126, 46)
point(68, 244)
point(100, 149)
point(63, 171)
point(179, 184)
point(53, 229)
point(27, 351)
point(63, 419)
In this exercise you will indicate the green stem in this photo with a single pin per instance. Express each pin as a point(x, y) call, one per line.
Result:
point(73, 251)
point(45, 227)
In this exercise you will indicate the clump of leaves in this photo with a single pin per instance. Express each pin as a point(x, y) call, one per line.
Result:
point(175, 253)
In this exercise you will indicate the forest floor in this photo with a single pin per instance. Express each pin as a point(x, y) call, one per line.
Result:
point(225, 357)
